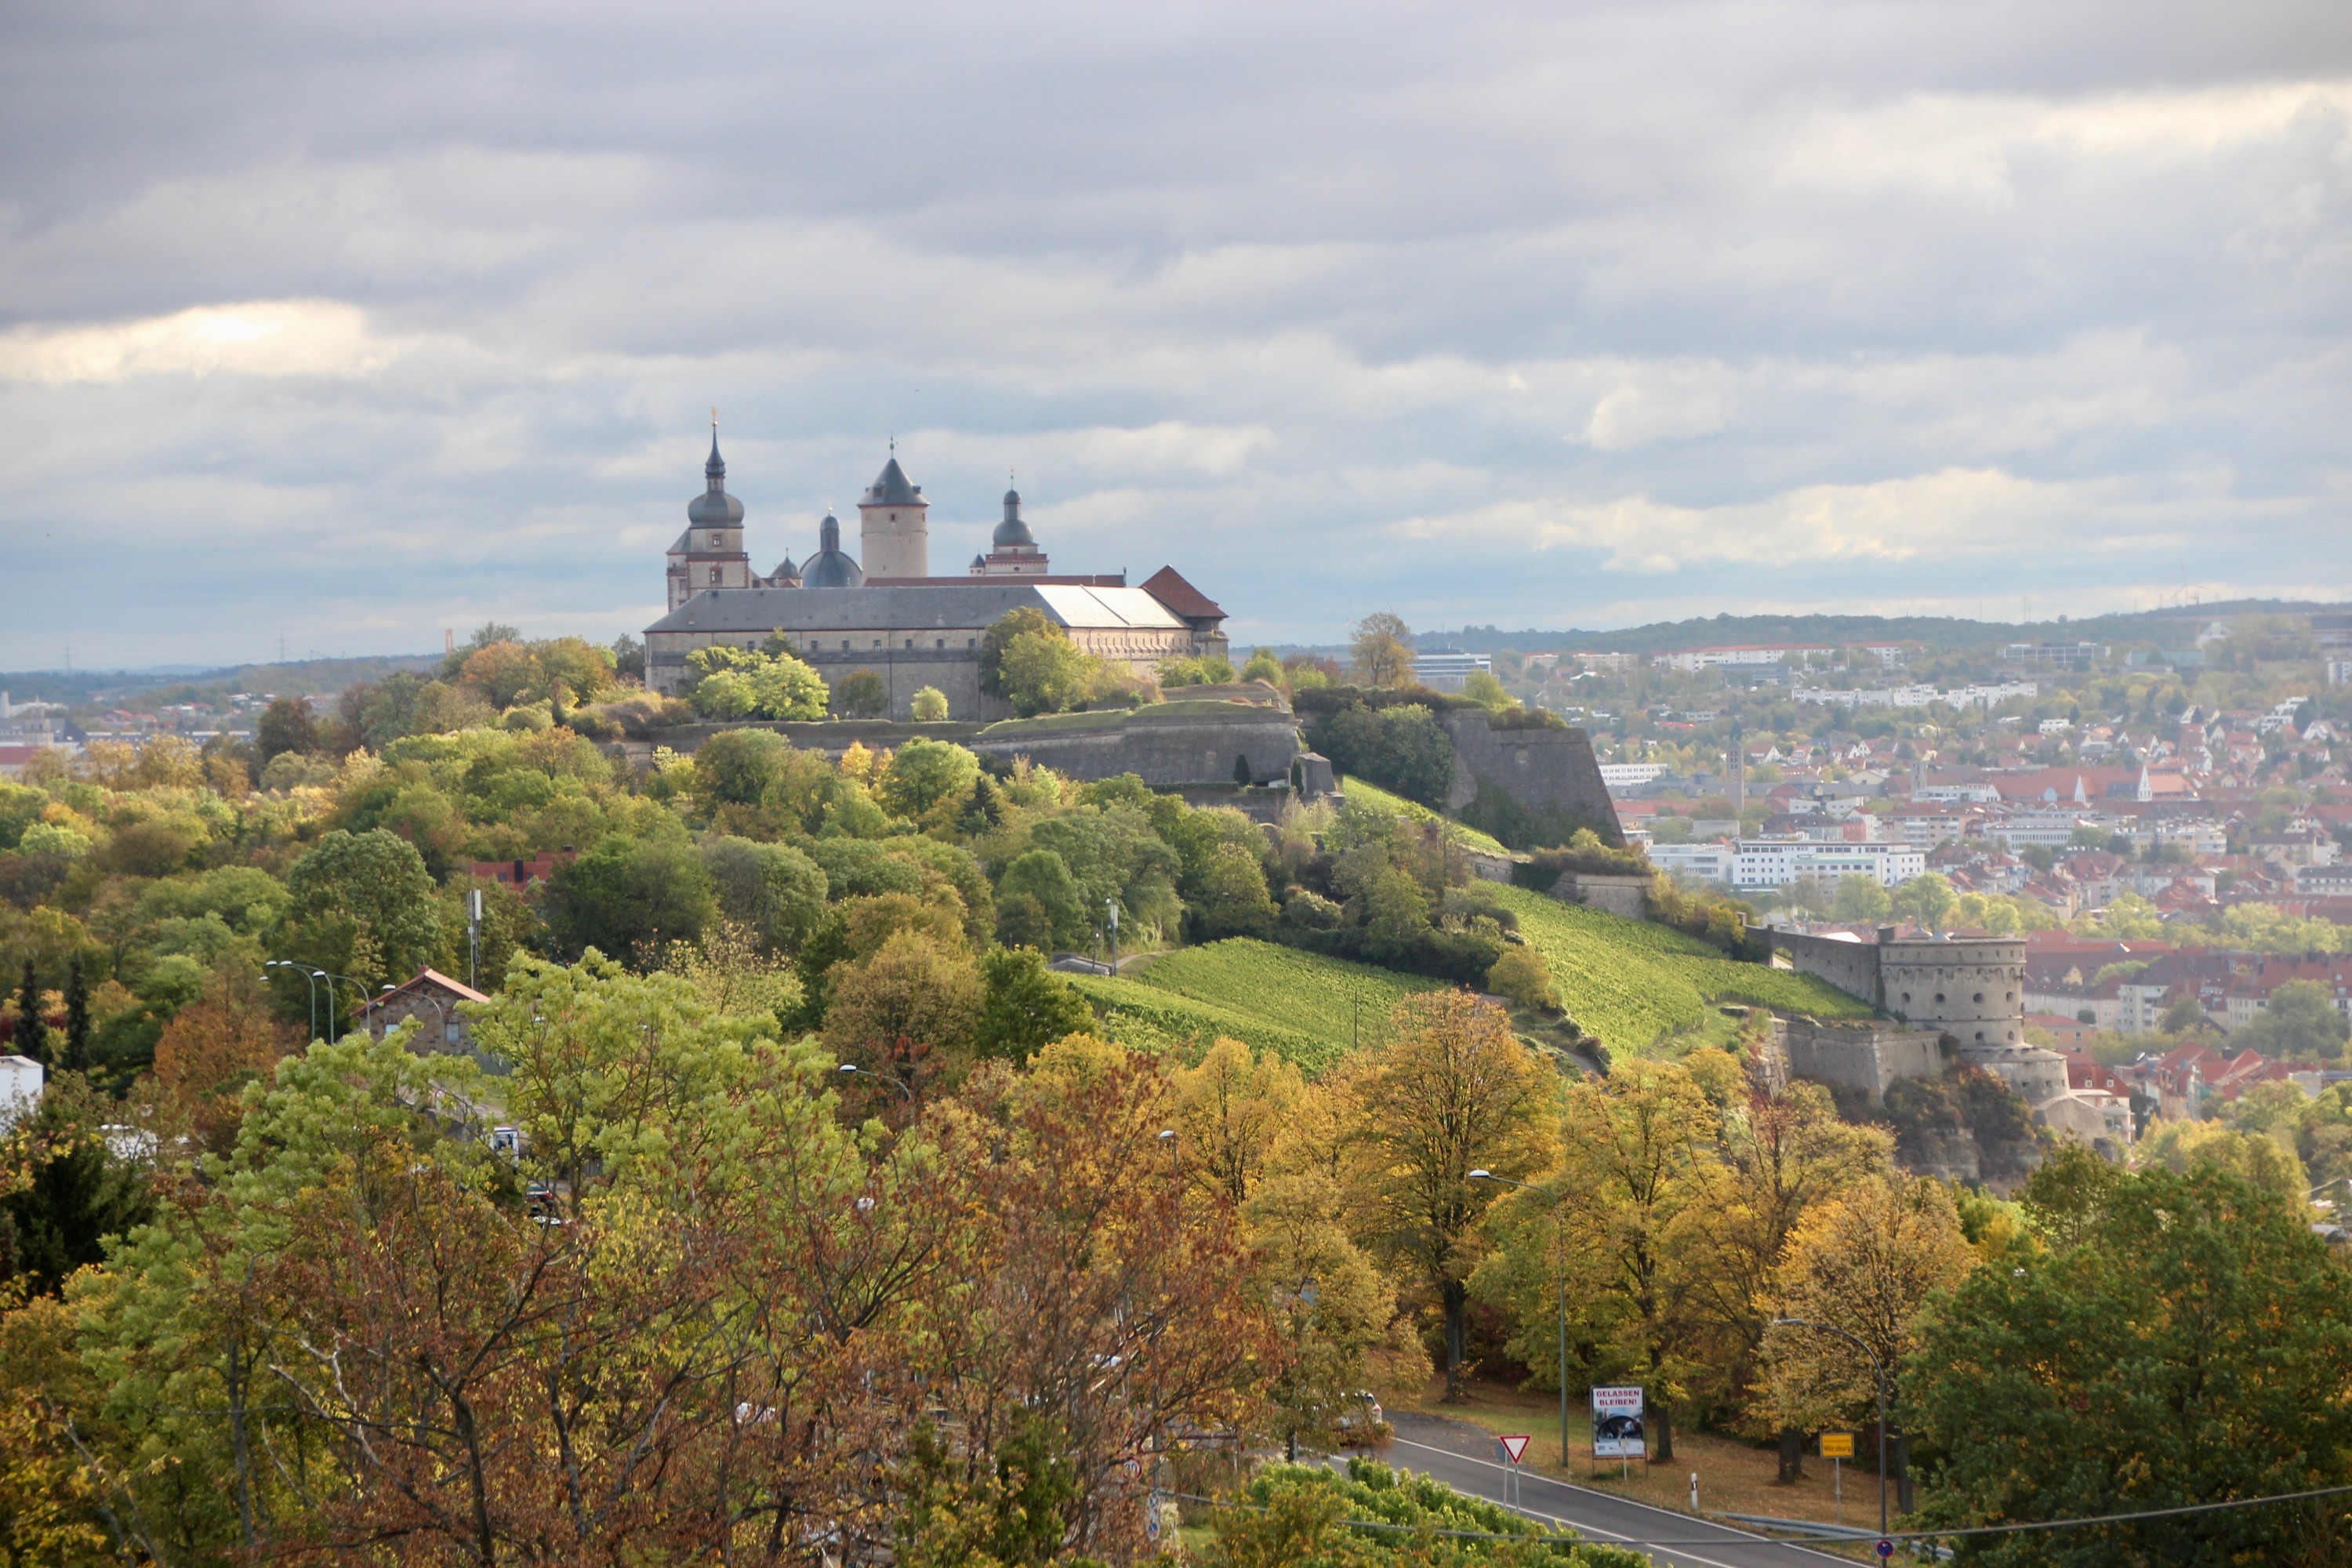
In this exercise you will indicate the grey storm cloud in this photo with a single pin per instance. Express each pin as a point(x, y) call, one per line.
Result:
point(349, 324)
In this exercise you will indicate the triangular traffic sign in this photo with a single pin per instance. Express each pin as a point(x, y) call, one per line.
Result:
point(1513, 1446)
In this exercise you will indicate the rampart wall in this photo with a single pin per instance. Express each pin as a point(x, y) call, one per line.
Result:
point(1541, 768)
point(1866, 1057)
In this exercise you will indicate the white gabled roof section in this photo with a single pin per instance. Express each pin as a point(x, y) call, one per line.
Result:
point(1102, 608)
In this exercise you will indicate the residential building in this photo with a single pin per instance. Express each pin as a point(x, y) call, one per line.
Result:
point(432, 999)
point(1761, 863)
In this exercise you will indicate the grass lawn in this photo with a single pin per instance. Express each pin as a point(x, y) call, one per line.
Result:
point(1309, 1008)
point(1733, 1477)
point(1638, 986)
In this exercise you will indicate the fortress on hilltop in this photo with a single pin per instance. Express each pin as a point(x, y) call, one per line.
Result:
point(883, 611)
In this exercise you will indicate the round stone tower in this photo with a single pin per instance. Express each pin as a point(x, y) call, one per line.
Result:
point(1971, 988)
point(894, 529)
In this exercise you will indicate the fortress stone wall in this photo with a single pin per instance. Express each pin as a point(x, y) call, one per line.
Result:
point(1867, 1056)
point(1168, 746)
point(1545, 769)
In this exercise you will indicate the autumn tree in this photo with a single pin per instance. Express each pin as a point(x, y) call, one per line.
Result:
point(908, 1014)
point(1381, 645)
point(1783, 1154)
point(1865, 1264)
point(1454, 1093)
point(1229, 1109)
point(1637, 1151)
point(209, 1052)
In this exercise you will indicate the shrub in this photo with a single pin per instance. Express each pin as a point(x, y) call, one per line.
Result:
point(861, 695)
point(1520, 975)
point(929, 707)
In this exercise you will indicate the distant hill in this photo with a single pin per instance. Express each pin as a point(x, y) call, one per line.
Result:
point(2173, 627)
point(182, 683)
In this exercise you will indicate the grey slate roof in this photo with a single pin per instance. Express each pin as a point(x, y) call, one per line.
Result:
point(868, 609)
point(891, 488)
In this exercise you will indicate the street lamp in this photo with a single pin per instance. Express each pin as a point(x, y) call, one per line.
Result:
point(904, 1092)
point(310, 978)
point(1485, 1175)
point(1878, 1374)
point(329, 977)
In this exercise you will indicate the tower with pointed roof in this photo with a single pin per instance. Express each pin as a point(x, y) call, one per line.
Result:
point(894, 530)
point(709, 554)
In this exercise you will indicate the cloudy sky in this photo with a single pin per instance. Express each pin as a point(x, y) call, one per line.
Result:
point(345, 324)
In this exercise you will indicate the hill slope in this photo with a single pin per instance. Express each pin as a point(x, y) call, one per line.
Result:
point(1306, 1007)
point(1632, 984)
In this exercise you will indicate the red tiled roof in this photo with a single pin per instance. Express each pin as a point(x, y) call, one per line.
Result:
point(1169, 587)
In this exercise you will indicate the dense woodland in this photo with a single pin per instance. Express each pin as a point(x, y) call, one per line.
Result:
point(842, 1229)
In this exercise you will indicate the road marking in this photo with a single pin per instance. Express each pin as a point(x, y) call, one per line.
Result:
point(1685, 1519)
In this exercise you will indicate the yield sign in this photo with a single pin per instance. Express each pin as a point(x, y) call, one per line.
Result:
point(1513, 1447)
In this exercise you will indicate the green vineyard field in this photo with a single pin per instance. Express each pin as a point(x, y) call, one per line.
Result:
point(1632, 984)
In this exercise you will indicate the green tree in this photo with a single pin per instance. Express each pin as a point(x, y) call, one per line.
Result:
point(65, 1192)
point(286, 726)
point(1025, 1005)
point(999, 636)
point(1044, 674)
point(783, 686)
point(737, 767)
point(929, 706)
point(362, 904)
point(1925, 898)
point(1482, 687)
point(1264, 666)
point(1860, 899)
point(628, 897)
point(724, 695)
point(32, 1030)
point(2299, 1020)
point(2228, 1383)
point(1230, 897)
point(861, 695)
point(924, 773)
point(772, 890)
point(1382, 649)
point(909, 1015)
point(77, 1057)
point(1521, 975)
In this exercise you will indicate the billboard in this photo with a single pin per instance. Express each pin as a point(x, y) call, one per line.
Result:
point(1617, 1424)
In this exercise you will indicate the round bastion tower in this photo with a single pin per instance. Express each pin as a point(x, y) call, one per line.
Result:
point(1973, 988)
point(894, 527)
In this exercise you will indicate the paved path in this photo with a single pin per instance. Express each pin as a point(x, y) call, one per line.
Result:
point(1464, 1457)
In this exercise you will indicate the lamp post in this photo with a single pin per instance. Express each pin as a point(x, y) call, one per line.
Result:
point(358, 991)
point(310, 978)
point(1878, 1374)
point(1484, 1176)
point(904, 1092)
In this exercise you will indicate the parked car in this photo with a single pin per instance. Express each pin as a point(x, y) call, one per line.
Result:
point(1363, 1424)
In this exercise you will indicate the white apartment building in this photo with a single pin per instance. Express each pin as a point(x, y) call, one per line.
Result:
point(2052, 831)
point(1760, 863)
point(1696, 862)
point(1448, 671)
point(1630, 775)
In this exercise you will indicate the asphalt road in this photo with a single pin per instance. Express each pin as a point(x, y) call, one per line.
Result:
point(1464, 1457)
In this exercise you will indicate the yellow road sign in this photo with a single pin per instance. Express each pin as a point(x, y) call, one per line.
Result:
point(1837, 1444)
